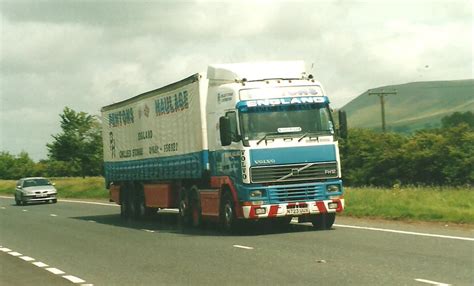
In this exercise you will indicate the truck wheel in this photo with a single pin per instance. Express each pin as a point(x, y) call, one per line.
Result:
point(124, 202)
point(139, 205)
point(184, 212)
point(196, 216)
point(323, 221)
point(228, 218)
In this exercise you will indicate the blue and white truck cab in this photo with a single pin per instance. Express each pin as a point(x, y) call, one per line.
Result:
point(272, 135)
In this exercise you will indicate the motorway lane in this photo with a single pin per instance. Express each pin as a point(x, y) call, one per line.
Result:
point(93, 243)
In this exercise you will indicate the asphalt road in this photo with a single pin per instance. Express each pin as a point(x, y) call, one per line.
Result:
point(90, 244)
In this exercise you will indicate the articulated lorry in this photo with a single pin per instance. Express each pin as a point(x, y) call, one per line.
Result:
point(239, 142)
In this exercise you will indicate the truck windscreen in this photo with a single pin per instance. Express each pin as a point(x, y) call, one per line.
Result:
point(283, 120)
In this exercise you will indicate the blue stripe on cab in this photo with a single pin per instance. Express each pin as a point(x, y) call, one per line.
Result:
point(290, 155)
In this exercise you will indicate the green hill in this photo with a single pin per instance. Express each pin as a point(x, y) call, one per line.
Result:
point(416, 105)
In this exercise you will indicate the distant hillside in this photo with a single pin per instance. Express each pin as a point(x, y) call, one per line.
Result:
point(416, 105)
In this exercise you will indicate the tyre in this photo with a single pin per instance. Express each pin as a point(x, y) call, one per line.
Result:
point(196, 217)
point(124, 202)
point(140, 209)
point(17, 201)
point(184, 209)
point(228, 218)
point(54, 201)
point(323, 221)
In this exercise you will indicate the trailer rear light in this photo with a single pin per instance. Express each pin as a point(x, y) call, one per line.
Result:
point(332, 206)
point(260, 211)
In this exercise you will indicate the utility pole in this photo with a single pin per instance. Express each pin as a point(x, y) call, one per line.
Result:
point(381, 94)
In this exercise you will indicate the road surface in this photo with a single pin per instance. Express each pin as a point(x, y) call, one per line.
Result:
point(72, 243)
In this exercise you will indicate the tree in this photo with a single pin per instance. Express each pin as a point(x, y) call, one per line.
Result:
point(79, 144)
point(457, 118)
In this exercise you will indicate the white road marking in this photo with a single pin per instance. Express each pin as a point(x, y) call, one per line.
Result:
point(40, 264)
point(405, 232)
point(53, 215)
point(242, 246)
point(55, 271)
point(27, 258)
point(147, 230)
point(91, 221)
point(73, 279)
point(25, 210)
point(432, 282)
point(90, 203)
point(4, 208)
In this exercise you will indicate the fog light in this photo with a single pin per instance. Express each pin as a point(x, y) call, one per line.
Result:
point(260, 211)
point(256, 193)
point(332, 206)
point(332, 188)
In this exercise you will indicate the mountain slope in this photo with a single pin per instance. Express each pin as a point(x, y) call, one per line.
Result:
point(416, 105)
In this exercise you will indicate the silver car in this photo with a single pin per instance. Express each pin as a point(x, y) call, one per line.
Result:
point(37, 189)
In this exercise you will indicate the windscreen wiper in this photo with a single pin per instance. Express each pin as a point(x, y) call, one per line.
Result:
point(322, 132)
point(268, 134)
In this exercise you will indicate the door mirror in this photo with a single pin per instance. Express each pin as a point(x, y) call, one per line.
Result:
point(342, 124)
point(224, 128)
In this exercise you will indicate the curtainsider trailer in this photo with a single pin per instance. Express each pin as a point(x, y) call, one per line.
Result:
point(240, 142)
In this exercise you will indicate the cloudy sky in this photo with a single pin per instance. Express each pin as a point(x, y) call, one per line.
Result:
point(87, 54)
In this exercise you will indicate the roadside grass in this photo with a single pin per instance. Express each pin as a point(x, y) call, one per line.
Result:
point(442, 204)
point(78, 188)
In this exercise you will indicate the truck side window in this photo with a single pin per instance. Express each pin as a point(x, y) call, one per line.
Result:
point(233, 125)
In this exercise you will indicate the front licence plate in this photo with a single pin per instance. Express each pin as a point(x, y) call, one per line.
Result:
point(41, 195)
point(297, 211)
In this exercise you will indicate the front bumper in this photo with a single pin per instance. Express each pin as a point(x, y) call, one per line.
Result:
point(36, 198)
point(292, 209)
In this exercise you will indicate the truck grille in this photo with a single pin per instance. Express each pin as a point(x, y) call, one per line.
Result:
point(296, 194)
point(297, 172)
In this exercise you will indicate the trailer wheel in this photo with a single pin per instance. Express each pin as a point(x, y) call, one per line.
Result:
point(184, 212)
point(228, 218)
point(323, 221)
point(141, 210)
point(196, 217)
point(125, 210)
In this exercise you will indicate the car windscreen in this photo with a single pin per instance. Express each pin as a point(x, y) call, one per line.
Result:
point(36, 182)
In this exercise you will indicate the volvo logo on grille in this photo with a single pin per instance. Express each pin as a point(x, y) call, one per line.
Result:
point(295, 172)
point(330, 172)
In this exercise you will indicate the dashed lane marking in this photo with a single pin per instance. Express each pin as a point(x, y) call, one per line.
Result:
point(40, 264)
point(242, 246)
point(53, 215)
point(27, 258)
point(73, 279)
point(55, 271)
point(432, 282)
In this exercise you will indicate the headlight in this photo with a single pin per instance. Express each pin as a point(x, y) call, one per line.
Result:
point(333, 188)
point(256, 194)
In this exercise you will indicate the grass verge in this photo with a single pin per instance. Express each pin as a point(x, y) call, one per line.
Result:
point(78, 188)
point(446, 204)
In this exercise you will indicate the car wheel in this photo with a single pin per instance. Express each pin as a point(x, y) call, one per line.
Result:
point(323, 221)
point(55, 201)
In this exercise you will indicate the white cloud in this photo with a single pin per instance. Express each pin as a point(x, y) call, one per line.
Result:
point(92, 53)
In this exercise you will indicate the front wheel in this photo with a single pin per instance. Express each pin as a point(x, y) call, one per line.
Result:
point(323, 221)
point(228, 218)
